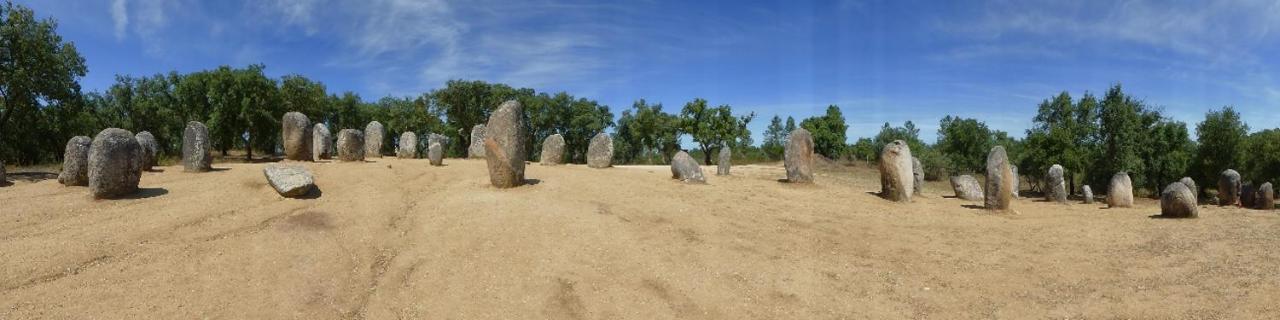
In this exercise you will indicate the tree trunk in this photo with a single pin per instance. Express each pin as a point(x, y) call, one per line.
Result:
point(248, 148)
point(706, 155)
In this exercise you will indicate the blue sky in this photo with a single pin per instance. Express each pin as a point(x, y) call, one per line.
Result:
point(880, 61)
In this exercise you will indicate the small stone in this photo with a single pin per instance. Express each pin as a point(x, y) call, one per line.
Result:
point(75, 162)
point(291, 181)
point(1087, 193)
point(724, 161)
point(1229, 188)
point(686, 169)
point(1120, 191)
point(150, 149)
point(374, 133)
point(505, 137)
point(999, 180)
point(350, 145)
point(321, 142)
point(195, 148)
point(407, 148)
point(476, 150)
point(896, 178)
point(600, 151)
point(1016, 182)
point(798, 156)
point(966, 187)
point(1177, 202)
point(1056, 184)
point(435, 154)
point(296, 131)
point(917, 175)
point(553, 150)
point(114, 165)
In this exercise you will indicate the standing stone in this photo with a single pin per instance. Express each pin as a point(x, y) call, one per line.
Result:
point(435, 153)
point(685, 169)
point(999, 180)
point(600, 151)
point(114, 168)
point(505, 137)
point(917, 175)
point(724, 161)
point(553, 150)
point(1191, 184)
point(1017, 182)
point(407, 148)
point(798, 156)
point(150, 149)
point(296, 133)
point(1266, 197)
point(290, 181)
point(350, 145)
point(1087, 193)
point(966, 187)
point(1056, 186)
point(373, 135)
point(1229, 188)
point(1120, 191)
point(75, 162)
point(321, 142)
point(476, 150)
point(1248, 195)
point(1177, 202)
point(196, 148)
point(896, 179)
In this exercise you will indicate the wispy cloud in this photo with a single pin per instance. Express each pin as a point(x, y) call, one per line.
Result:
point(120, 18)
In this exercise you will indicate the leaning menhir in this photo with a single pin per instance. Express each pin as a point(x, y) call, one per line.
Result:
point(724, 161)
point(1229, 188)
point(476, 150)
point(553, 150)
point(350, 145)
point(505, 137)
point(1120, 191)
point(685, 169)
point(195, 148)
point(295, 132)
point(150, 149)
point(373, 136)
point(114, 165)
point(1056, 186)
point(407, 148)
point(321, 142)
point(1177, 202)
point(999, 180)
point(75, 162)
point(600, 151)
point(798, 156)
point(896, 179)
point(966, 187)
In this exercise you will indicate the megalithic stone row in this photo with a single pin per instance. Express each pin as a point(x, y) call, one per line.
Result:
point(321, 142)
point(350, 145)
point(553, 150)
point(1120, 191)
point(196, 155)
point(798, 156)
point(75, 162)
point(476, 149)
point(150, 149)
point(896, 178)
point(374, 134)
point(407, 147)
point(723, 161)
point(295, 132)
point(1229, 188)
point(966, 187)
point(999, 180)
point(686, 169)
point(1176, 201)
point(114, 165)
point(505, 137)
point(600, 151)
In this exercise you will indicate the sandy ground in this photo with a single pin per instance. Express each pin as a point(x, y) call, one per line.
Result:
point(400, 239)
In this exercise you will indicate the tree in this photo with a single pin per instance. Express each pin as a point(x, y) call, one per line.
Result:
point(964, 144)
point(39, 74)
point(864, 149)
point(712, 127)
point(1261, 161)
point(774, 139)
point(468, 103)
point(828, 132)
point(1221, 137)
point(1120, 125)
point(298, 93)
point(1168, 153)
point(1063, 132)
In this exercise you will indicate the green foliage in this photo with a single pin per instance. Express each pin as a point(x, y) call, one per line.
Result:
point(646, 134)
point(1064, 132)
point(576, 119)
point(964, 144)
point(1221, 137)
point(1121, 129)
point(1168, 151)
point(40, 101)
point(828, 132)
point(934, 161)
point(468, 103)
point(864, 149)
point(712, 127)
point(297, 93)
point(774, 143)
point(1261, 159)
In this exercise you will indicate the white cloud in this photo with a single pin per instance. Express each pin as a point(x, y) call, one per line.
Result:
point(120, 17)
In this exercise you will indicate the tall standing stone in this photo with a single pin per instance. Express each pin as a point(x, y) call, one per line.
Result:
point(999, 180)
point(196, 148)
point(114, 165)
point(1177, 202)
point(600, 151)
point(350, 145)
point(1120, 191)
point(435, 153)
point(553, 150)
point(896, 179)
point(505, 137)
point(1017, 182)
point(1056, 185)
point(798, 156)
point(321, 142)
point(966, 187)
point(476, 150)
point(1266, 197)
point(1191, 184)
point(917, 175)
point(686, 169)
point(374, 134)
point(1229, 188)
point(1248, 195)
point(1087, 192)
point(295, 132)
point(723, 162)
point(75, 162)
point(407, 147)
point(150, 149)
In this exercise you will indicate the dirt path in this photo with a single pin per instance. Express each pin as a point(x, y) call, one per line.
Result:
point(400, 239)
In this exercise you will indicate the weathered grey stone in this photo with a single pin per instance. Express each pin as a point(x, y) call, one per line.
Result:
point(917, 176)
point(291, 181)
point(1229, 188)
point(896, 179)
point(798, 156)
point(505, 137)
point(600, 151)
point(350, 145)
point(1248, 195)
point(196, 148)
point(75, 162)
point(1120, 191)
point(408, 146)
point(1017, 182)
point(1177, 202)
point(150, 149)
point(1266, 197)
point(1055, 185)
point(476, 150)
point(1087, 193)
point(321, 142)
point(374, 134)
point(686, 169)
point(435, 153)
point(295, 131)
point(724, 161)
point(553, 150)
point(441, 139)
point(114, 168)
point(1191, 184)
point(999, 180)
point(966, 187)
